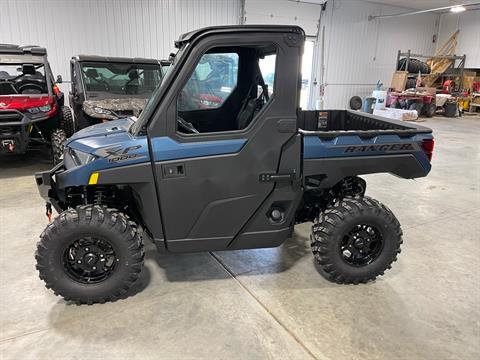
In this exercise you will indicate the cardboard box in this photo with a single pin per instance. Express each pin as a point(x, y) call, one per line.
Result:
point(467, 82)
point(397, 114)
point(399, 80)
point(428, 90)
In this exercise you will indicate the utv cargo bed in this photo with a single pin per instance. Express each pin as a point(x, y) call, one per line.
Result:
point(340, 143)
point(332, 123)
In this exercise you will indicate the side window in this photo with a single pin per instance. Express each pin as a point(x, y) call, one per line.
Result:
point(212, 81)
point(227, 89)
point(267, 68)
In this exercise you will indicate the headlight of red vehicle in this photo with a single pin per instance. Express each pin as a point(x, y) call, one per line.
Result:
point(36, 110)
point(48, 108)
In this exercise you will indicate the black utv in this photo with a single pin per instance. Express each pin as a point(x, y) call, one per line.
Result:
point(110, 88)
point(32, 111)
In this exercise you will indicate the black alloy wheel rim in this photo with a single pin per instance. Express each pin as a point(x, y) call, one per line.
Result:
point(89, 260)
point(361, 245)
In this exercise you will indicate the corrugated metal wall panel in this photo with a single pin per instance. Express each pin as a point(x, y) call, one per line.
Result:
point(468, 37)
point(358, 51)
point(142, 28)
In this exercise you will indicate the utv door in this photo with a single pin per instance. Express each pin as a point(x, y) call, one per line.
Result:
point(76, 95)
point(235, 184)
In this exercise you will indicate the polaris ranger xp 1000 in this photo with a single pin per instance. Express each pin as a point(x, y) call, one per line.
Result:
point(220, 160)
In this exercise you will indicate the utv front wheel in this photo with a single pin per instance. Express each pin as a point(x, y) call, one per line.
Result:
point(66, 121)
point(57, 140)
point(355, 240)
point(91, 254)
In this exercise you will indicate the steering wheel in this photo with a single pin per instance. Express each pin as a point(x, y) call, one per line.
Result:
point(31, 88)
point(187, 126)
point(101, 81)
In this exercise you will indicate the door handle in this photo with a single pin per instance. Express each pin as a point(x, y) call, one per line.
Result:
point(276, 177)
point(173, 170)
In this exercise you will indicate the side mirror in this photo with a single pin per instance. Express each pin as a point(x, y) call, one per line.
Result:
point(59, 79)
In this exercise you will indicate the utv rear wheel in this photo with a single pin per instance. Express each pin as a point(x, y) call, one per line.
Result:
point(355, 240)
point(57, 139)
point(66, 121)
point(91, 254)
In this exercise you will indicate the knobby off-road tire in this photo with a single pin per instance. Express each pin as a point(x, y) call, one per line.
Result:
point(58, 138)
point(66, 121)
point(105, 234)
point(340, 225)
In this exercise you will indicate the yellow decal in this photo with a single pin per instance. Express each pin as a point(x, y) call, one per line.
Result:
point(93, 179)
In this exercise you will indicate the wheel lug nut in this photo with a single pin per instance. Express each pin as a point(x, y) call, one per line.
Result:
point(86, 249)
point(94, 268)
point(79, 261)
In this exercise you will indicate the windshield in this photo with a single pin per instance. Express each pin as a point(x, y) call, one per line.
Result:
point(22, 78)
point(102, 80)
point(152, 102)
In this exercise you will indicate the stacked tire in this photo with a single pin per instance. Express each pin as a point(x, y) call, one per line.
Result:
point(414, 66)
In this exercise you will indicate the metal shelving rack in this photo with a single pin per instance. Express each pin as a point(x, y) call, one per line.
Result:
point(452, 71)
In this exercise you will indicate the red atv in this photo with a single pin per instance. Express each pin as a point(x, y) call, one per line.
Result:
point(32, 111)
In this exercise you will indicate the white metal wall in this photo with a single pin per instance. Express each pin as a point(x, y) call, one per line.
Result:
point(141, 28)
point(358, 51)
point(468, 37)
point(284, 12)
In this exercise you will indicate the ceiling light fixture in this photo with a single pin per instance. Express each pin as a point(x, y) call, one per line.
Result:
point(457, 9)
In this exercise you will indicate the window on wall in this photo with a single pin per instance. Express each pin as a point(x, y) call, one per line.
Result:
point(227, 89)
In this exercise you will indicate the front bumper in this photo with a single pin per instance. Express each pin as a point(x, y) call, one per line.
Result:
point(15, 128)
point(47, 187)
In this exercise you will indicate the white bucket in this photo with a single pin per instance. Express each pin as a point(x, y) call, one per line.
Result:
point(381, 97)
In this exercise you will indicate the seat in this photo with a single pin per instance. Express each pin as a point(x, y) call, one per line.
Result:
point(7, 88)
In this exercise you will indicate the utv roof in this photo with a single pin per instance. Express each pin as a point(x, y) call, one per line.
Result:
point(21, 50)
point(188, 37)
point(98, 58)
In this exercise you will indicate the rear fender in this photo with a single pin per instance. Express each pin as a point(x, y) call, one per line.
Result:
point(336, 158)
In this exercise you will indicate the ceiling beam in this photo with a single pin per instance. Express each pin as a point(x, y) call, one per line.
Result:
point(375, 17)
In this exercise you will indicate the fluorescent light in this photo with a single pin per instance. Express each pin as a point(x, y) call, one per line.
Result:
point(457, 9)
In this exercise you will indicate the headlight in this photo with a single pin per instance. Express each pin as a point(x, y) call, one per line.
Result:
point(36, 110)
point(80, 157)
point(99, 110)
point(45, 108)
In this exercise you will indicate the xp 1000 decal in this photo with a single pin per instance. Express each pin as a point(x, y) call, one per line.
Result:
point(118, 153)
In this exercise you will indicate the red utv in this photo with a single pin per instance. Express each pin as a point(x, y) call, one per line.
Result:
point(32, 111)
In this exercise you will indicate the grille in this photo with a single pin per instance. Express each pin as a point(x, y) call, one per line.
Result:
point(124, 112)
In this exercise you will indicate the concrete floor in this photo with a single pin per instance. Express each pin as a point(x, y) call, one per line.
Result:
point(269, 303)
